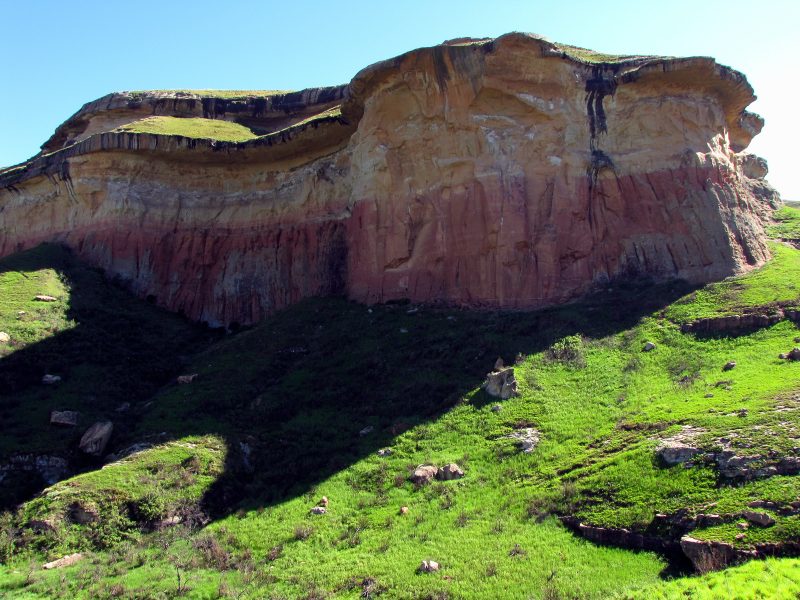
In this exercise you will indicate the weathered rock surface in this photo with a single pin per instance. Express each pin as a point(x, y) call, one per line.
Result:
point(527, 437)
point(66, 561)
point(501, 383)
point(49, 468)
point(450, 471)
point(423, 474)
point(485, 173)
point(428, 566)
point(95, 439)
point(68, 418)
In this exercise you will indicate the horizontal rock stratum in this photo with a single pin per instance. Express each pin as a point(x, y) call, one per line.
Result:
point(510, 172)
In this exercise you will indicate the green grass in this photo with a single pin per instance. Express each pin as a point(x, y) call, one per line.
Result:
point(298, 388)
point(787, 224)
point(771, 578)
point(108, 347)
point(212, 129)
point(591, 56)
point(776, 282)
point(25, 319)
point(227, 94)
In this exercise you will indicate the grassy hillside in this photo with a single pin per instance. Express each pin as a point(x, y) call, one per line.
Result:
point(217, 504)
point(109, 349)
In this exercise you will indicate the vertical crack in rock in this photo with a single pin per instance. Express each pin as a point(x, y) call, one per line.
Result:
point(602, 83)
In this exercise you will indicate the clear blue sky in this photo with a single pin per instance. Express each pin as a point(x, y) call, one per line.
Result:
point(58, 54)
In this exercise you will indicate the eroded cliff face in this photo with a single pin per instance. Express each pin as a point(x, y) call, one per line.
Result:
point(488, 173)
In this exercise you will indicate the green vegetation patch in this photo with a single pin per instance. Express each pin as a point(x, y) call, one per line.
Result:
point(227, 94)
point(787, 223)
point(109, 348)
point(23, 277)
point(101, 508)
point(778, 281)
point(777, 579)
point(335, 399)
point(197, 128)
point(591, 56)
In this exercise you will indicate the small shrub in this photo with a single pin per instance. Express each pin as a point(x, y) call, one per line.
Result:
point(302, 532)
point(462, 519)
point(213, 553)
point(568, 350)
point(275, 553)
point(517, 551)
point(491, 569)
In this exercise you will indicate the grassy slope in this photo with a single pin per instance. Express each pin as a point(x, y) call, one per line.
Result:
point(299, 388)
point(198, 128)
point(108, 347)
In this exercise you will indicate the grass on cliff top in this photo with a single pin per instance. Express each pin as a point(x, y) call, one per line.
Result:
point(591, 56)
point(227, 94)
point(293, 400)
point(197, 128)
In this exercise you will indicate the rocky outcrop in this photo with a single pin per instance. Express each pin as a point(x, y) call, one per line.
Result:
point(486, 173)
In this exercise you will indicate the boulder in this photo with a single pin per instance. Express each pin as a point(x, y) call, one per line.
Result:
point(497, 408)
point(323, 501)
point(423, 474)
point(95, 439)
point(449, 471)
point(66, 561)
point(648, 346)
point(49, 379)
point(708, 556)
point(501, 384)
point(675, 452)
point(366, 431)
point(318, 510)
point(44, 298)
point(758, 518)
point(729, 365)
point(403, 510)
point(384, 452)
point(428, 566)
point(184, 379)
point(68, 418)
point(4, 337)
point(793, 354)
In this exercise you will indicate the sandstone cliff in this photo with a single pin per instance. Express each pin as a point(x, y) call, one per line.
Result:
point(511, 172)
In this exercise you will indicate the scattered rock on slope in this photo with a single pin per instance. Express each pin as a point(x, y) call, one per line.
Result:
point(68, 418)
point(528, 438)
point(450, 471)
point(501, 383)
point(66, 561)
point(95, 439)
point(423, 474)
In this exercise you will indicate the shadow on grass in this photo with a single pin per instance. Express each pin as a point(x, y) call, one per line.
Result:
point(117, 349)
point(299, 397)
